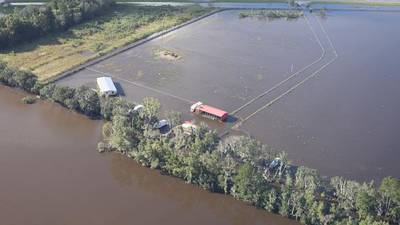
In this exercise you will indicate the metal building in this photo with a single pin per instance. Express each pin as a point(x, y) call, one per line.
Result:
point(106, 86)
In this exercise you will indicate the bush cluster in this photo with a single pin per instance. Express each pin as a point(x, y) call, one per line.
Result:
point(82, 99)
point(28, 100)
point(16, 78)
point(35, 21)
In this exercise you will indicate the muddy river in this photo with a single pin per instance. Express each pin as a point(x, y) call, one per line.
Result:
point(51, 173)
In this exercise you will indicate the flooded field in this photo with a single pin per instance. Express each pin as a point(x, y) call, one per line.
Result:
point(322, 88)
point(345, 122)
point(51, 173)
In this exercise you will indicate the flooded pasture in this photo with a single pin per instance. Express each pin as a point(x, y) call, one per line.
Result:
point(322, 88)
point(51, 173)
point(344, 122)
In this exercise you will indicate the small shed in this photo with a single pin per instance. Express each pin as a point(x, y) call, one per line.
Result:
point(106, 86)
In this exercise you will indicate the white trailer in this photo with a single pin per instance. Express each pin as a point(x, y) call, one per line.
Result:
point(106, 86)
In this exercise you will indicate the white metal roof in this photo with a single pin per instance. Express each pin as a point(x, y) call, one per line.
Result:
point(106, 85)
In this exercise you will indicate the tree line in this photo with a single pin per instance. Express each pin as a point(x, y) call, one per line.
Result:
point(35, 21)
point(237, 166)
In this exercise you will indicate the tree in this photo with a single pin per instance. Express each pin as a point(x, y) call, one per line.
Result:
point(107, 105)
point(150, 111)
point(61, 94)
point(371, 221)
point(47, 91)
point(25, 80)
point(35, 21)
point(6, 77)
point(249, 186)
point(88, 100)
point(346, 192)
point(366, 204)
point(389, 205)
point(174, 118)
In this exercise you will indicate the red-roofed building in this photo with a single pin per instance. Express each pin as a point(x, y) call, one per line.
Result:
point(209, 111)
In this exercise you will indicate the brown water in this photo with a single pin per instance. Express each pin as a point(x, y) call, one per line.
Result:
point(51, 173)
point(345, 121)
point(342, 122)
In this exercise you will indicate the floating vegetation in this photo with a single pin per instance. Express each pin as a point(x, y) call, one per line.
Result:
point(271, 14)
point(28, 100)
point(167, 54)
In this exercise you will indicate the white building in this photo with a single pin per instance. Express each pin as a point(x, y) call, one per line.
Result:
point(106, 86)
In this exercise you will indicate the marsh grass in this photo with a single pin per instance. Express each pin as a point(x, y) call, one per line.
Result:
point(271, 14)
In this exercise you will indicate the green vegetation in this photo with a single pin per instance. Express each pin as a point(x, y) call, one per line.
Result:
point(35, 21)
point(9, 9)
point(239, 166)
point(16, 78)
point(271, 14)
point(123, 24)
point(28, 100)
point(82, 99)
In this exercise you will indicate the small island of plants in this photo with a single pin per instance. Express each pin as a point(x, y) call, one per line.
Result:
point(271, 14)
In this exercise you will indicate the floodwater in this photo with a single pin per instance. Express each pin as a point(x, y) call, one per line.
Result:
point(345, 121)
point(214, 67)
point(51, 173)
point(341, 119)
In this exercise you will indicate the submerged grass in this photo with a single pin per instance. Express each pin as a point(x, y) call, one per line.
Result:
point(56, 53)
point(271, 14)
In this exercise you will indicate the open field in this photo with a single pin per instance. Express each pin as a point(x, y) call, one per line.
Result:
point(226, 62)
point(57, 53)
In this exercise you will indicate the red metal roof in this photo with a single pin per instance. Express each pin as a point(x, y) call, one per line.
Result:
point(213, 111)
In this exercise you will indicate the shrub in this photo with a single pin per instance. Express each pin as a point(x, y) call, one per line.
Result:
point(28, 100)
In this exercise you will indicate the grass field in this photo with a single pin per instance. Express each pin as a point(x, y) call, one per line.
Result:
point(57, 53)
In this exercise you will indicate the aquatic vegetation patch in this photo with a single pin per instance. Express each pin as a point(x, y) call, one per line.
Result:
point(271, 14)
point(167, 54)
point(28, 100)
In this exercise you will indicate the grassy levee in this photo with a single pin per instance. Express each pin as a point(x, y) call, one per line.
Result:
point(57, 53)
